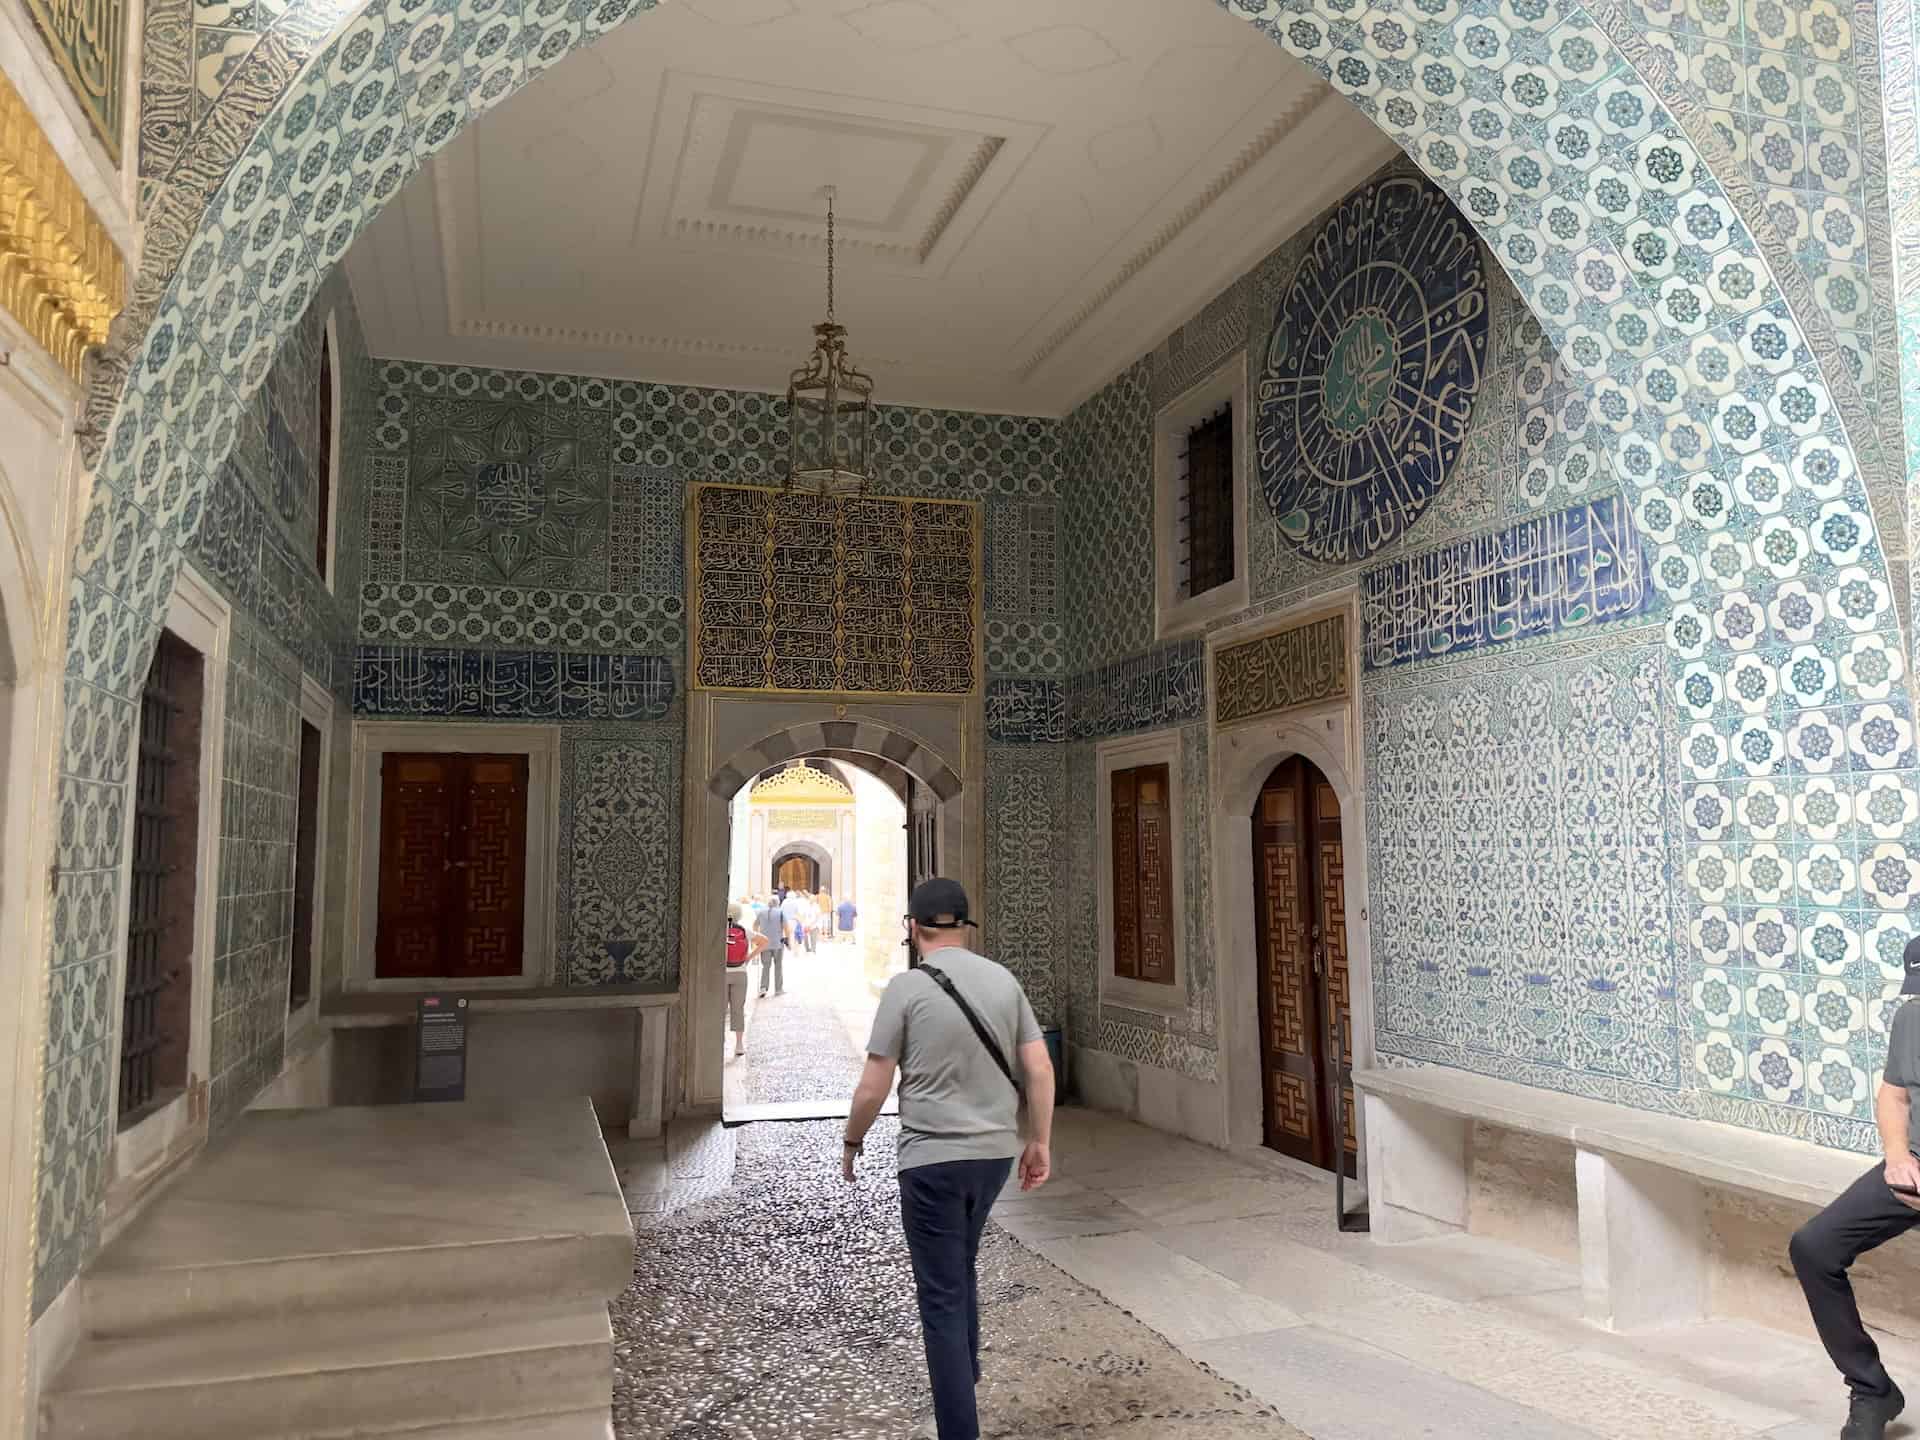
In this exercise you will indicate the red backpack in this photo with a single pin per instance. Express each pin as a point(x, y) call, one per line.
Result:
point(736, 946)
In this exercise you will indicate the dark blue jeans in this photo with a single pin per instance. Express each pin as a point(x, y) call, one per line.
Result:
point(944, 1208)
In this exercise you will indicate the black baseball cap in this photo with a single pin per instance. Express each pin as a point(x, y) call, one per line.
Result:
point(1912, 958)
point(939, 903)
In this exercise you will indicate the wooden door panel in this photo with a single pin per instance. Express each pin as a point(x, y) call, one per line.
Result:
point(1330, 903)
point(1289, 1016)
point(416, 838)
point(1126, 893)
point(453, 866)
point(1154, 809)
point(490, 878)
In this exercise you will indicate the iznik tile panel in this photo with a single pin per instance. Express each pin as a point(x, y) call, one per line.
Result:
point(394, 680)
point(621, 895)
point(1563, 571)
point(1030, 712)
point(1366, 389)
point(1522, 844)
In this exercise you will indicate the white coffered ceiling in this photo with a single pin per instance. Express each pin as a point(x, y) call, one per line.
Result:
point(1031, 193)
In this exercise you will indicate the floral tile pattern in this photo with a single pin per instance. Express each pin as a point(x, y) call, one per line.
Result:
point(1703, 381)
point(1026, 814)
point(1522, 827)
point(620, 884)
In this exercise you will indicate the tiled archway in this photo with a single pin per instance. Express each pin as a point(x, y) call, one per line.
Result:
point(1699, 389)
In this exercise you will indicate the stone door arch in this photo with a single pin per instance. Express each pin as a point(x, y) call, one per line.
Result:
point(1718, 375)
point(733, 738)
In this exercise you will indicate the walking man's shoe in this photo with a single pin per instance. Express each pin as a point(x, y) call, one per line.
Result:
point(1869, 1415)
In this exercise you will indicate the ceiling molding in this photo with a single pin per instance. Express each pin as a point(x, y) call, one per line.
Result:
point(1275, 131)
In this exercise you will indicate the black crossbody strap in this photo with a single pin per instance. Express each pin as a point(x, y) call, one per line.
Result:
point(939, 977)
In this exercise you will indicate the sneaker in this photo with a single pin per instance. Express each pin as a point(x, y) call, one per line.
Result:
point(1869, 1415)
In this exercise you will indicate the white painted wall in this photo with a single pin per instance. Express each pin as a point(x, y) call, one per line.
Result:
point(41, 493)
point(880, 882)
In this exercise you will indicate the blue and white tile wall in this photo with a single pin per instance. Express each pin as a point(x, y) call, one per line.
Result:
point(255, 544)
point(239, 237)
point(524, 561)
point(1769, 599)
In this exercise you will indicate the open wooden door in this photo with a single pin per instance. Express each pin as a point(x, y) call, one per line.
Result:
point(1300, 927)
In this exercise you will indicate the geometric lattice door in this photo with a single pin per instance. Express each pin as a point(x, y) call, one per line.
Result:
point(453, 866)
point(1301, 930)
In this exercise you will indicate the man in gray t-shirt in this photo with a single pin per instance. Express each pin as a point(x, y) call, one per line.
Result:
point(1881, 1204)
point(960, 1125)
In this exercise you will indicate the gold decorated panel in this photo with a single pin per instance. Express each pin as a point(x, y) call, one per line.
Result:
point(1305, 664)
point(61, 275)
point(88, 39)
point(851, 594)
point(793, 817)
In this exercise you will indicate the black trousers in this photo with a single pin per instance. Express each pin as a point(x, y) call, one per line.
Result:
point(1865, 1216)
point(944, 1208)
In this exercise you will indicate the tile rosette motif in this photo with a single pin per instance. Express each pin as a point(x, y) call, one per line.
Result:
point(1367, 385)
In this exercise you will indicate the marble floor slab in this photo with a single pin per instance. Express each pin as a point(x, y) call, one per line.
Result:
point(1453, 1336)
point(1183, 1300)
point(1339, 1389)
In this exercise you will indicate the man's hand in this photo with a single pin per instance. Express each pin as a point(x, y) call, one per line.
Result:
point(1904, 1170)
point(1035, 1166)
point(847, 1156)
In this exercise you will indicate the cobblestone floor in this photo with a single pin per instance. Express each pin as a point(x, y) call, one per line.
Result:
point(782, 1309)
point(797, 1045)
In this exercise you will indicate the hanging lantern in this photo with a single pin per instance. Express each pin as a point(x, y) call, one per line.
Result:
point(829, 407)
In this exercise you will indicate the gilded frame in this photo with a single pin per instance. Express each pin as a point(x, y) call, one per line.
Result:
point(976, 618)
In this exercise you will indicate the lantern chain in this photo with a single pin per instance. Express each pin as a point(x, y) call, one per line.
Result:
point(830, 254)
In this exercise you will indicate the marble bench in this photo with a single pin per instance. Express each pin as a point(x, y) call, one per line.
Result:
point(1640, 1179)
point(651, 1013)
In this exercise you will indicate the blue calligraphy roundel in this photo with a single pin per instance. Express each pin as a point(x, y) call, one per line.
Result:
point(1371, 371)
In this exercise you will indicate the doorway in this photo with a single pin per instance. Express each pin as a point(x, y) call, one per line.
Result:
point(1300, 927)
point(797, 872)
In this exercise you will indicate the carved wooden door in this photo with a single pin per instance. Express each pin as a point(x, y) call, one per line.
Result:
point(1300, 928)
point(453, 866)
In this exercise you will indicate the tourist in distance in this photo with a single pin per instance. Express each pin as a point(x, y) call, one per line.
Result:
point(845, 917)
point(742, 946)
point(773, 930)
point(948, 1026)
point(793, 907)
point(1881, 1204)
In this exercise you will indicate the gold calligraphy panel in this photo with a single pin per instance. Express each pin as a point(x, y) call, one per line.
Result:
point(868, 594)
point(89, 39)
point(1303, 665)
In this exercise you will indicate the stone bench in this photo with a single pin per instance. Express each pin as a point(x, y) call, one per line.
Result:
point(521, 1058)
point(1640, 1179)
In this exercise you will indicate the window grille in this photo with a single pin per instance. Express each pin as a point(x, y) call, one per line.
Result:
point(150, 971)
point(1204, 517)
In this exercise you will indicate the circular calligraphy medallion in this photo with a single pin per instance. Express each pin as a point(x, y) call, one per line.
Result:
point(1371, 371)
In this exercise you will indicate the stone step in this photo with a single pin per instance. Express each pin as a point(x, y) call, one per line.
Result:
point(574, 1425)
point(302, 1213)
point(430, 1372)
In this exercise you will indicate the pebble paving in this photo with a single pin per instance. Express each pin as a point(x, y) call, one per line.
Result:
point(797, 1049)
point(782, 1308)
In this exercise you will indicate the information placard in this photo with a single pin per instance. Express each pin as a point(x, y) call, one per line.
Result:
point(440, 1048)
